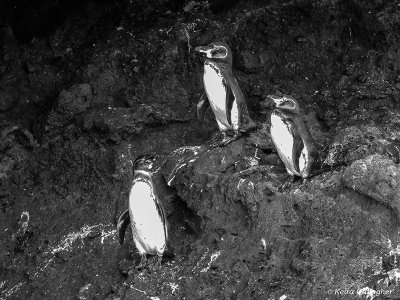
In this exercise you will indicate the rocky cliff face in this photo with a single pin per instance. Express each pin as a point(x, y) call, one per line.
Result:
point(108, 82)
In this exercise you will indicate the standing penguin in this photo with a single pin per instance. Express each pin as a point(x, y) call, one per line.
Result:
point(292, 138)
point(145, 213)
point(223, 93)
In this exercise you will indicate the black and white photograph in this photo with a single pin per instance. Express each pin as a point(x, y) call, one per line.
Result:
point(200, 149)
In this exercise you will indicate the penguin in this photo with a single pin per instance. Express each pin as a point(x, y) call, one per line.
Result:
point(222, 93)
point(145, 213)
point(291, 137)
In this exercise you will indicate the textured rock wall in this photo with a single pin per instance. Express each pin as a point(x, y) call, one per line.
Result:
point(113, 81)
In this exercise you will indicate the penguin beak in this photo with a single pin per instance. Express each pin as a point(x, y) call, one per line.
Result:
point(150, 157)
point(205, 49)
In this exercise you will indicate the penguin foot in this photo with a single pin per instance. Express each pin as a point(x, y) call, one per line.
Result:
point(222, 139)
point(284, 186)
point(143, 262)
point(250, 127)
point(305, 180)
point(157, 265)
point(214, 142)
point(228, 139)
point(287, 184)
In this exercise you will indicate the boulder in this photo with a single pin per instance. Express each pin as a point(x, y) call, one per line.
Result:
point(70, 103)
point(312, 240)
point(224, 186)
point(353, 143)
point(376, 177)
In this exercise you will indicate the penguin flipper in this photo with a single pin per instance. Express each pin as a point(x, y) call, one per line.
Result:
point(229, 100)
point(298, 146)
point(202, 106)
point(161, 213)
point(122, 224)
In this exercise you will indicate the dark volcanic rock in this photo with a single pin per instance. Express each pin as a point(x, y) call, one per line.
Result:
point(376, 177)
point(311, 231)
point(70, 103)
point(353, 143)
point(226, 185)
point(129, 121)
point(7, 101)
point(234, 234)
point(249, 62)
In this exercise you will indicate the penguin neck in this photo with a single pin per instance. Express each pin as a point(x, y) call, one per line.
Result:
point(217, 66)
point(285, 115)
point(143, 173)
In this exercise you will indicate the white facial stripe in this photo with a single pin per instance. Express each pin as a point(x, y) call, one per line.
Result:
point(285, 103)
point(279, 101)
point(290, 101)
point(143, 172)
point(207, 52)
point(226, 51)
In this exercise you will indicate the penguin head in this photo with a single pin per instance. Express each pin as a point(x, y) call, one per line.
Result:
point(217, 51)
point(144, 162)
point(285, 104)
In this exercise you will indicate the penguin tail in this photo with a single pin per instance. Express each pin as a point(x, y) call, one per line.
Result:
point(249, 127)
point(122, 224)
point(169, 253)
point(318, 168)
point(202, 107)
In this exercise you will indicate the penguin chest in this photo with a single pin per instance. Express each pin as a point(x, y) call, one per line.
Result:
point(283, 139)
point(216, 92)
point(148, 226)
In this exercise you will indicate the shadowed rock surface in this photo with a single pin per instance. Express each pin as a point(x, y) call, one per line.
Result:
point(86, 87)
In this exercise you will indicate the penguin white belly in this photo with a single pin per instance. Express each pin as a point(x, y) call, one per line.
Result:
point(235, 112)
point(303, 160)
point(147, 224)
point(235, 116)
point(284, 142)
point(216, 94)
